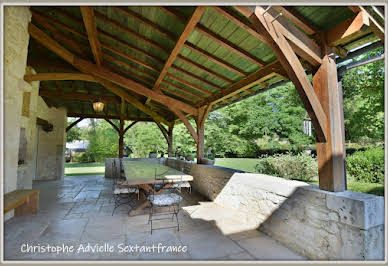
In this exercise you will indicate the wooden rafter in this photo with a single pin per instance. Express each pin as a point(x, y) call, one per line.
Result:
point(296, 18)
point(59, 76)
point(186, 122)
point(300, 43)
point(129, 126)
point(113, 125)
point(253, 79)
point(77, 96)
point(102, 116)
point(194, 19)
point(293, 67)
point(375, 25)
point(74, 123)
point(91, 29)
point(348, 30)
point(177, 93)
point(182, 81)
point(103, 73)
point(193, 94)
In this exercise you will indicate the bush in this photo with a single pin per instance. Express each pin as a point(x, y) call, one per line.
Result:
point(82, 157)
point(289, 166)
point(367, 166)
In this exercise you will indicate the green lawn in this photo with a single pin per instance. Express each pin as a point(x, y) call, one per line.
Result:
point(243, 164)
point(248, 165)
point(84, 168)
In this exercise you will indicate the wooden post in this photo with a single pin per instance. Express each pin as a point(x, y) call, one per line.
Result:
point(200, 143)
point(121, 139)
point(121, 130)
point(331, 154)
point(170, 142)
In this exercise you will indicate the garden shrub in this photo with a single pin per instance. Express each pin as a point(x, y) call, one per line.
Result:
point(301, 166)
point(82, 157)
point(367, 166)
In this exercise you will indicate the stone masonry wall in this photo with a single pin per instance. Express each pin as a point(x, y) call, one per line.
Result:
point(16, 38)
point(208, 180)
point(318, 224)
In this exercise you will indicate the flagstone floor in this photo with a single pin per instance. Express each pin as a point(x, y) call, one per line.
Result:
point(76, 214)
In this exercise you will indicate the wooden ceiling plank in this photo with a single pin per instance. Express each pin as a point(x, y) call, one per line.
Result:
point(194, 19)
point(247, 82)
point(296, 18)
point(177, 93)
point(104, 74)
point(307, 47)
point(229, 45)
point(91, 29)
point(193, 94)
point(214, 59)
point(185, 72)
point(188, 84)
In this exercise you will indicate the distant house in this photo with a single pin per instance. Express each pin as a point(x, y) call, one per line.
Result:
point(74, 147)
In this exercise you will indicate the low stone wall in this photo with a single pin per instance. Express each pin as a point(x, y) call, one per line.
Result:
point(208, 180)
point(318, 224)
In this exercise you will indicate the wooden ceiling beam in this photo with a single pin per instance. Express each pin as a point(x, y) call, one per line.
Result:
point(214, 59)
point(91, 29)
point(304, 46)
point(59, 76)
point(103, 73)
point(102, 116)
point(193, 94)
point(74, 123)
point(375, 25)
point(253, 79)
point(129, 126)
point(229, 45)
point(76, 96)
point(178, 94)
point(347, 30)
point(204, 69)
point(186, 122)
point(192, 22)
point(185, 72)
point(296, 18)
point(182, 81)
point(293, 67)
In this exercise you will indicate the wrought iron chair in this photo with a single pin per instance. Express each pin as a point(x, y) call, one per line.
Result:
point(170, 198)
point(121, 191)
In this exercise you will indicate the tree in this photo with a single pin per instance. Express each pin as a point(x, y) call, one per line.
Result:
point(363, 96)
point(75, 133)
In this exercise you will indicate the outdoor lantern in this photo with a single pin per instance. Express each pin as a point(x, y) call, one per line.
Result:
point(98, 106)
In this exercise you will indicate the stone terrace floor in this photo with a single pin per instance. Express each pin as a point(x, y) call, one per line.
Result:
point(78, 210)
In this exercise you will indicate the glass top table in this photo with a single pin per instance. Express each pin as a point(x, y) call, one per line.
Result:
point(143, 172)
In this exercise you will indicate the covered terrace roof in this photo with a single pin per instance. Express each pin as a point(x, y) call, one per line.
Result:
point(192, 57)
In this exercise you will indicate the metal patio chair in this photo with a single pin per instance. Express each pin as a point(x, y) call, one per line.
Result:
point(121, 191)
point(170, 198)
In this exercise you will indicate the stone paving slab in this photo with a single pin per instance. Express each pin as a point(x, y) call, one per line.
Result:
point(77, 211)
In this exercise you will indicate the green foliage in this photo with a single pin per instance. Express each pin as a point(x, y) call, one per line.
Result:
point(83, 157)
point(363, 93)
point(144, 138)
point(270, 119)
point(103, 140)
point(300, 167)
point(75, 133)
point(367, 166)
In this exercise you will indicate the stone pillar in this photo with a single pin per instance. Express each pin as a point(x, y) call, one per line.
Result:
point(16, 38)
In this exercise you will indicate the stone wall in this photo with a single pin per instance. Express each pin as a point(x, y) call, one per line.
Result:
point(16, 38)
point(208, 180)
point(317, 224)
point(22, 106)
